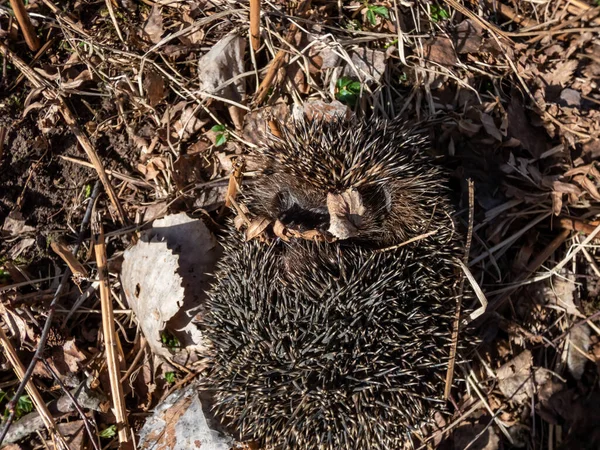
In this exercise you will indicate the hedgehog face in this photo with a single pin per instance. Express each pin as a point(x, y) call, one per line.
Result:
point(353, 213)
point(364, 182)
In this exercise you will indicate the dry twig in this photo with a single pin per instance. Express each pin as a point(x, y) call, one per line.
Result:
point(25, 23)
point(111, 340)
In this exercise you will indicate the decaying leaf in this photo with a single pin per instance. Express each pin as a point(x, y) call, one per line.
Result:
point(179, 423)
point(164, 276)
point(154, 25)
point(577, 349)
point(516, 378)
point(217, 69)
point(345, 212)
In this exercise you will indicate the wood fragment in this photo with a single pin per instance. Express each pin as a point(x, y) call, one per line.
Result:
point(25, 24)
point(110, 339)
point(255, 24)
point(509, 12)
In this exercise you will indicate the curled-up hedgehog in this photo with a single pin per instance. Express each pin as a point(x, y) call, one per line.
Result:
point(342, 343)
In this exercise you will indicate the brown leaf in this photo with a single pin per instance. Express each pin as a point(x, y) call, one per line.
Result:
point(257, 227)
point(562, 74)
point(440, 50)
point(468, 37)
point(154, 85)
point(588, 185)
point(490, 126)
point(531, 138)
point(67, 256)
point(345, 212)
point(469, 128)
point(154, 25)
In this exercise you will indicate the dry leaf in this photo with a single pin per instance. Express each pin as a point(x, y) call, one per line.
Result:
point(256, 227)
point(469, 128)
point(577, 349)
point(370, 65)
point(171, 261)
point(562, 74)
point(14, 225)
point(490, 127)
point(179, 423)
point(223, 62)
point(154, 85)
point(67, 256)
point(516, 377)
point(345, 212)
point(154, 25)
point(440, 50)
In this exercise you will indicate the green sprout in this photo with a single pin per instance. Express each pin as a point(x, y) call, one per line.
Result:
point(438, 14)
point(88, 191)
point(4, 278)
point(169, 340)
point(24, 405)
point(109, 432)
point(375, 10)
point(348, 90)
point(222, 134)
point(170, 377)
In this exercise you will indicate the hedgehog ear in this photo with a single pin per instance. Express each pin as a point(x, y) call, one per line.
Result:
point(346, 211)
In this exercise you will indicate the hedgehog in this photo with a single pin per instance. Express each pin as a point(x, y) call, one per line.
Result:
point(341, 343)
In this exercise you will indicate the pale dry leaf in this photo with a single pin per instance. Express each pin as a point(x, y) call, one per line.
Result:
point(164, 277)
point(14, 225)
point(577, 349)
point(18, 326)
point(588, 185)
point(320, 110)
point(179, 423)
point(257, 227)
point(561, 293)
point(279, 230)
point(516, 378)
point(69, 258)
point(154, 25)
point(224, 62)
point(345, 212)
point(369, 65)
point(562, 74)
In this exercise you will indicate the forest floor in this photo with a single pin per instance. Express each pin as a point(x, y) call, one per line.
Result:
point(134, 110)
